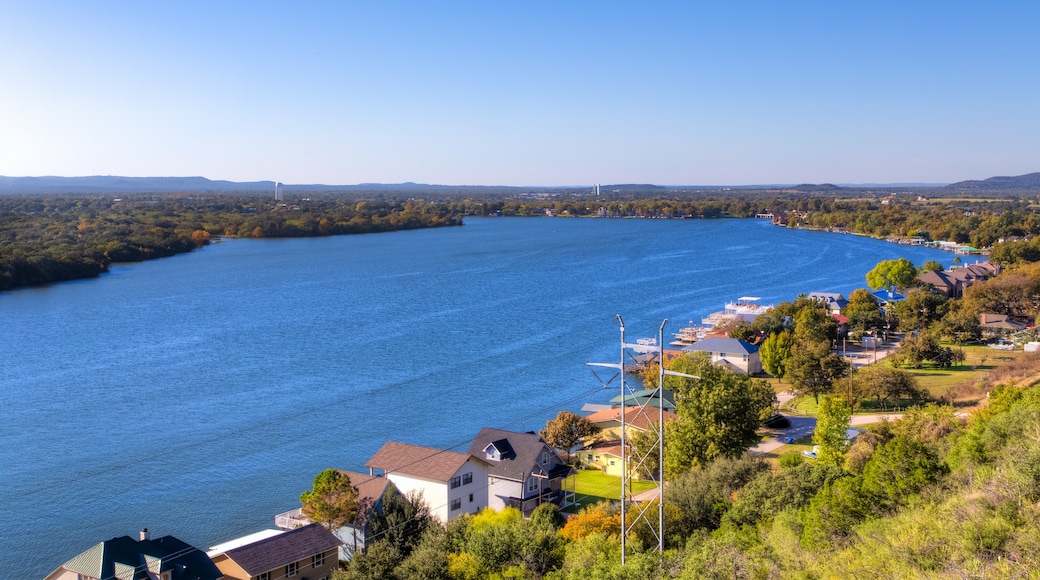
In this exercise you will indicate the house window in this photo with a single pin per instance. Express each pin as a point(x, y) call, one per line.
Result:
point(597, 458)
point(318, 560)
point(292, 569)
point(471, 498)
point(545, 457)
point(456, 504)
point(264, 576)
point(612, 462)
point(467, 478)
point(532, 484)
point(456, 481)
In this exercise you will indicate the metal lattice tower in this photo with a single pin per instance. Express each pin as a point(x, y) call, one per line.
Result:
point(640, 463)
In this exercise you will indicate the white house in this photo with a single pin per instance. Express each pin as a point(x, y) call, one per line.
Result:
point(732, 353)
point(451, 483)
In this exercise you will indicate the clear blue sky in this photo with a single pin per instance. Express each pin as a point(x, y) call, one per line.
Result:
point(522, 93)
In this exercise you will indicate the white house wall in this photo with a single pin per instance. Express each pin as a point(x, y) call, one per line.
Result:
point(434, 492)
point(502, 488)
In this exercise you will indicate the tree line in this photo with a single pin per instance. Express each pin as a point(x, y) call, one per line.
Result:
point(49, 238)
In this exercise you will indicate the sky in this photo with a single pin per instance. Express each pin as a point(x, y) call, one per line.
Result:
point(522, 93)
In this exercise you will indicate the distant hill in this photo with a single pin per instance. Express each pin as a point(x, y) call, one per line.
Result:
point(811, 187)
point(1028, 181)
point(115, 184)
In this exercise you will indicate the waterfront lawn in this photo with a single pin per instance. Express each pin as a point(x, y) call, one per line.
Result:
point(593, 486)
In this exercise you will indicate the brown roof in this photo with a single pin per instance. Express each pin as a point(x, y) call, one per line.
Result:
point(638, 417)
point(370, 490)
point(417, 461)
point(277, 551)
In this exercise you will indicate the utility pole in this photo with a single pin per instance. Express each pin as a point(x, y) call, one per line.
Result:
point(634, 514)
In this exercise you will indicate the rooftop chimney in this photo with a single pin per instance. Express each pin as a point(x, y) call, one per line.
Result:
point(145, 535)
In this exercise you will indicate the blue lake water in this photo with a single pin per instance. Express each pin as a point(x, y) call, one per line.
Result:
point(198, 395)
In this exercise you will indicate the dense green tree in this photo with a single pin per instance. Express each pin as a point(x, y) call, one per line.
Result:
point(703, 494)
point(718, 414)
point(960, 323)
point(813, 368)
point(775, 351)
point(402, 520)
point(931, 266)
point(863, 312)
point(769, 493)
point(829, 436)
point(883, 383)
point(921, 307)
point(915, 349)
point(899, 469)
point(332, 501)
point(891, 274)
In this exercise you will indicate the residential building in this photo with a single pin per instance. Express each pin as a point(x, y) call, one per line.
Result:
point(125, 558)
point(523, 470)
point(735, 354)
point(605, 455)
point(999, 324)
point(451, 483)
point(605, 451)
point(309, 552)
point(640, 418)
point(834, 301)
point(371, 491)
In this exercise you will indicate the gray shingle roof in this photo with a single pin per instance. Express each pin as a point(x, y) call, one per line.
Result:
point(526, 449)
point(277, 551)
point(722, 345)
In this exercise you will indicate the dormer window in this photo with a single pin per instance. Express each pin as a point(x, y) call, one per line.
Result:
point(491, 453)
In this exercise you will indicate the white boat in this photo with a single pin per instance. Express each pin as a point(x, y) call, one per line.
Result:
point(745, 309)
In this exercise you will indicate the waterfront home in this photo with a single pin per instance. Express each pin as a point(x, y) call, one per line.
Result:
point(371, 491)
point(451, 483)
point(165, 558)
point(605, 451)
point(523, 470)
point(834, 301)
point(639, 418)
point(886, 297)
point(735, 354)
point(307, 552)
point(953, 282)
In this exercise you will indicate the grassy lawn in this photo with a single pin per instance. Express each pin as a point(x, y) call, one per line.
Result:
point(979, 360)
point(593, 486)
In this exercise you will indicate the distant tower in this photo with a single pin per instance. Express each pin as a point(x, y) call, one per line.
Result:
point(277, 191)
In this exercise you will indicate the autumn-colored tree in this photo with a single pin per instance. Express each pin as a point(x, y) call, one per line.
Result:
point(566, 430)
point(332, 501)
point(598, 518)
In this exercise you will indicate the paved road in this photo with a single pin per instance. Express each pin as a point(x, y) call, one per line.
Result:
point(804, 426)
